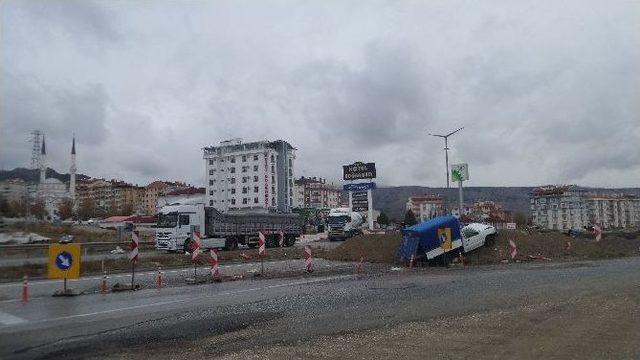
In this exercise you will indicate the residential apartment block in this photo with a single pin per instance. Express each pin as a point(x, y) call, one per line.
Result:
point(155, 191)
point(566, 207)
point(250, 176)
point(425, 207)
point(110, 197)
point(312, 192)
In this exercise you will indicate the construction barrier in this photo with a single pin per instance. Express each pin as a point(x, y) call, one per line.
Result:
point(308, 260)
point(359, 265)
point(513, 249)
point(103, 284)
point(159, 277)
point(214, 264)
point(25, 289)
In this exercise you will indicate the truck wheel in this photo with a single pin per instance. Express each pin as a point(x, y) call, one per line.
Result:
point(187, 245)
point(289, 241)
point(231, 244)
point(489, 240)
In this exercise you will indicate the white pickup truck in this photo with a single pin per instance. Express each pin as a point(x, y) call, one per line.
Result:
point(476, 235)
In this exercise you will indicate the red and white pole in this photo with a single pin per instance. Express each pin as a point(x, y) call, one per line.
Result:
point(308, 260)
point(359, 265)
point(461, 258)
point(411, 261)
point(103, 284)
point(214, 264)
point(25, 289)
point(281, 238)
point(159, 280)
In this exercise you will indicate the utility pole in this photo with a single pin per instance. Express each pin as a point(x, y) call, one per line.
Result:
point(446, 150)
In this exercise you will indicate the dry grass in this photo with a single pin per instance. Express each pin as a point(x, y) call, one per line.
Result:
point(81, 233)
point(167, 261)
point(374, 248)
point(383, 248)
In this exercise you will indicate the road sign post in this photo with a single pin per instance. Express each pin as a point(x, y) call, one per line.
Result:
point(360, 194)
point(64, 263)
point(460, 173)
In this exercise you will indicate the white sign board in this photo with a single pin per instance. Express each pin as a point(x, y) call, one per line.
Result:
point(460, 172)
point(511, 226)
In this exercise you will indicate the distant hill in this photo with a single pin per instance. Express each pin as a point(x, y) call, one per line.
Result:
point(392, 200)
point(33, 175)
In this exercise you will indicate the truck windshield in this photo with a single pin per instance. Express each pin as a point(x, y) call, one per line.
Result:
point(167, 220)
point(336, 219)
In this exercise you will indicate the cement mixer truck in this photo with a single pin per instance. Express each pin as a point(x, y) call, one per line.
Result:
point(342, 224)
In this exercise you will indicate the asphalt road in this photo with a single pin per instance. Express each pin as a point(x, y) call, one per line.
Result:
point(224, 318)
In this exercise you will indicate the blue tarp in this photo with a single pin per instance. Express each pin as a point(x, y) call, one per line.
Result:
point(421, 238)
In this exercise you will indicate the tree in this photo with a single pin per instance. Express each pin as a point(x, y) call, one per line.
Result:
point(383, 219)
point(17, 208)
point(87, 209)
point(65, 209)
point(520, 218)
point(409, 218)
point(38, 209)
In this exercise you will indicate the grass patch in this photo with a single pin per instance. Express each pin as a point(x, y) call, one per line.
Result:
point(384, 248)
point(146, 263)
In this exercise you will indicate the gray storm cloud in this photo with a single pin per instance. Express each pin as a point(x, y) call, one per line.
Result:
point(546, 93)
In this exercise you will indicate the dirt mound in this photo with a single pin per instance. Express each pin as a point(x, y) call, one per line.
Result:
point(551, 245)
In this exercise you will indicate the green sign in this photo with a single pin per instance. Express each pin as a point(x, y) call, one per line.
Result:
point(460, 172)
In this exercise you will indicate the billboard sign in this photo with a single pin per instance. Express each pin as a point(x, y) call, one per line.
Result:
point(460, 172)
point(359, 201)
point(359, 187)
point(358, 171)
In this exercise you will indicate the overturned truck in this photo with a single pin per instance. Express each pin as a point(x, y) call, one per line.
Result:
point(441, 238)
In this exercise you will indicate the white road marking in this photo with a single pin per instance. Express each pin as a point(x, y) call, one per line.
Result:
point(8, 319)
point(295, 283)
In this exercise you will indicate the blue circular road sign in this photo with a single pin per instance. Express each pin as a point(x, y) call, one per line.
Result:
point(64, 260)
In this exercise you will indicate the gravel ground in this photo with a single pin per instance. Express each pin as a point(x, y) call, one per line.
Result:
point(575, 310)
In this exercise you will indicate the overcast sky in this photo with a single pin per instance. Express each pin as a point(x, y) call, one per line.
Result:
point(548, 92)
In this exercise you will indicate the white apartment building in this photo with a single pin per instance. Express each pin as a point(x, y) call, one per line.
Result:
point(250, 176)
point(425, 207)
point(313, 192)
point(567, 207)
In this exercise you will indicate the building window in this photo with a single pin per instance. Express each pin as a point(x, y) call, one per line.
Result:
point(233, 160)
point(233, 201)
point(244, 158)
point(210, 182)
point(273, 159)
point(232, 170)
point(244, 169)
point(245, 179)
point(210, 202)
point(233, 190)
point(255, 189)
point(211, 192)
point(273, 179)
point(255, 178)
point(244, 190)
point(255, 157)
point(290, 162)
point(255, 200)
point(273, 201)
point(244, 200)
point(232, 180)
point(211, 172)
point(255, 167)
point(210, 161)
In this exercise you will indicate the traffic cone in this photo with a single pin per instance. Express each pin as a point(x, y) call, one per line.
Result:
point(103, 285)
point(159, 277)
point(25, 289)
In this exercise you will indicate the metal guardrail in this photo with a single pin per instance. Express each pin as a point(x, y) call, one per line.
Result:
point(96, 243)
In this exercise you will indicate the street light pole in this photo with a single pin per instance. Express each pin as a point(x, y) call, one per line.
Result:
point(446, 150)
